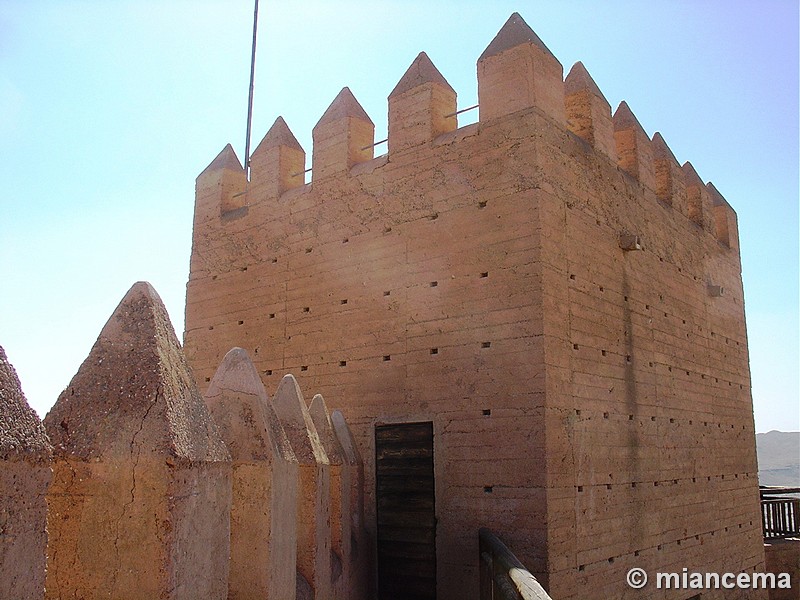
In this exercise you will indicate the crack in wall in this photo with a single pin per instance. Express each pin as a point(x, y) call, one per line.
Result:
point(135, 454)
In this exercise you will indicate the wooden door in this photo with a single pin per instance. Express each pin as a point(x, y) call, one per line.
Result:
point(405, 496)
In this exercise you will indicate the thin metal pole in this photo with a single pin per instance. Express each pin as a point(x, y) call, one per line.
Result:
point(250, 98)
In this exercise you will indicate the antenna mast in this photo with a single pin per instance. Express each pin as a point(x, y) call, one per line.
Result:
point(250, 98)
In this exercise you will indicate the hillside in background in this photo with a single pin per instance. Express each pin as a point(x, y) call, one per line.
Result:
point(778, 458)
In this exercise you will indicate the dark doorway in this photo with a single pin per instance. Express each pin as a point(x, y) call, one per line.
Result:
point(405, 496)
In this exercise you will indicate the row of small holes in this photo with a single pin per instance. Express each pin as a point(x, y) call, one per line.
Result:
point(483, 345)
point(606, 415)
point(659, 547)
point(386, 358)
point(666, 315)
point(386, 229)
point(634, 484)
point(306, 309)
point(629, 360)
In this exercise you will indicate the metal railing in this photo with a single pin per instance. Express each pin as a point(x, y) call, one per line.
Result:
point(503, 577)
point(780, 512)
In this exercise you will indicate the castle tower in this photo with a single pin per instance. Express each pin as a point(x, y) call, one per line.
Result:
point(522, 322)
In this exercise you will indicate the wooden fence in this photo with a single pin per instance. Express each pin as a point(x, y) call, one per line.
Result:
point(780, 512)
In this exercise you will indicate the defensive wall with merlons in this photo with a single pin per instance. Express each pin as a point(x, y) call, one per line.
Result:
point(543, 309)
point(137, 487)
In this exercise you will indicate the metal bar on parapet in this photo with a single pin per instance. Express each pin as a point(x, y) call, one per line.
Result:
point(301, 172)
point(250, 96)
point(375, 144)
point(463, 110)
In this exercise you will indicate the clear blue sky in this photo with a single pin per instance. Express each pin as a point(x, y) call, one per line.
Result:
point(110, 108)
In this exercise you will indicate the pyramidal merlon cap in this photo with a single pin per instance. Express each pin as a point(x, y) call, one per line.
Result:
point(579, 80)
point(226, 159)
point(691, 176)
point(421, 71)
point(134, 393)
point(237, 373)
point(21, 431)
point(322, 422)
point(660, 149)
point(279, 135)
point(344, 105)
point(716, 198)
point(238, 403)
point(345, 437)
point(625, 119)
point(290, 407)
point(514, 33)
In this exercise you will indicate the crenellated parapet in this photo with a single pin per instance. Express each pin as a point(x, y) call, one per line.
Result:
point(356, 563)
point(726, 224)
point(516, 74)
point(341, 499)
point(139, 505)
point(314, 491)
point(263, 536)
point(220, 187)
point(150, 490)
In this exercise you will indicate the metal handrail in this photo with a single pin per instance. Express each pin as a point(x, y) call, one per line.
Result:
point(502, 575)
